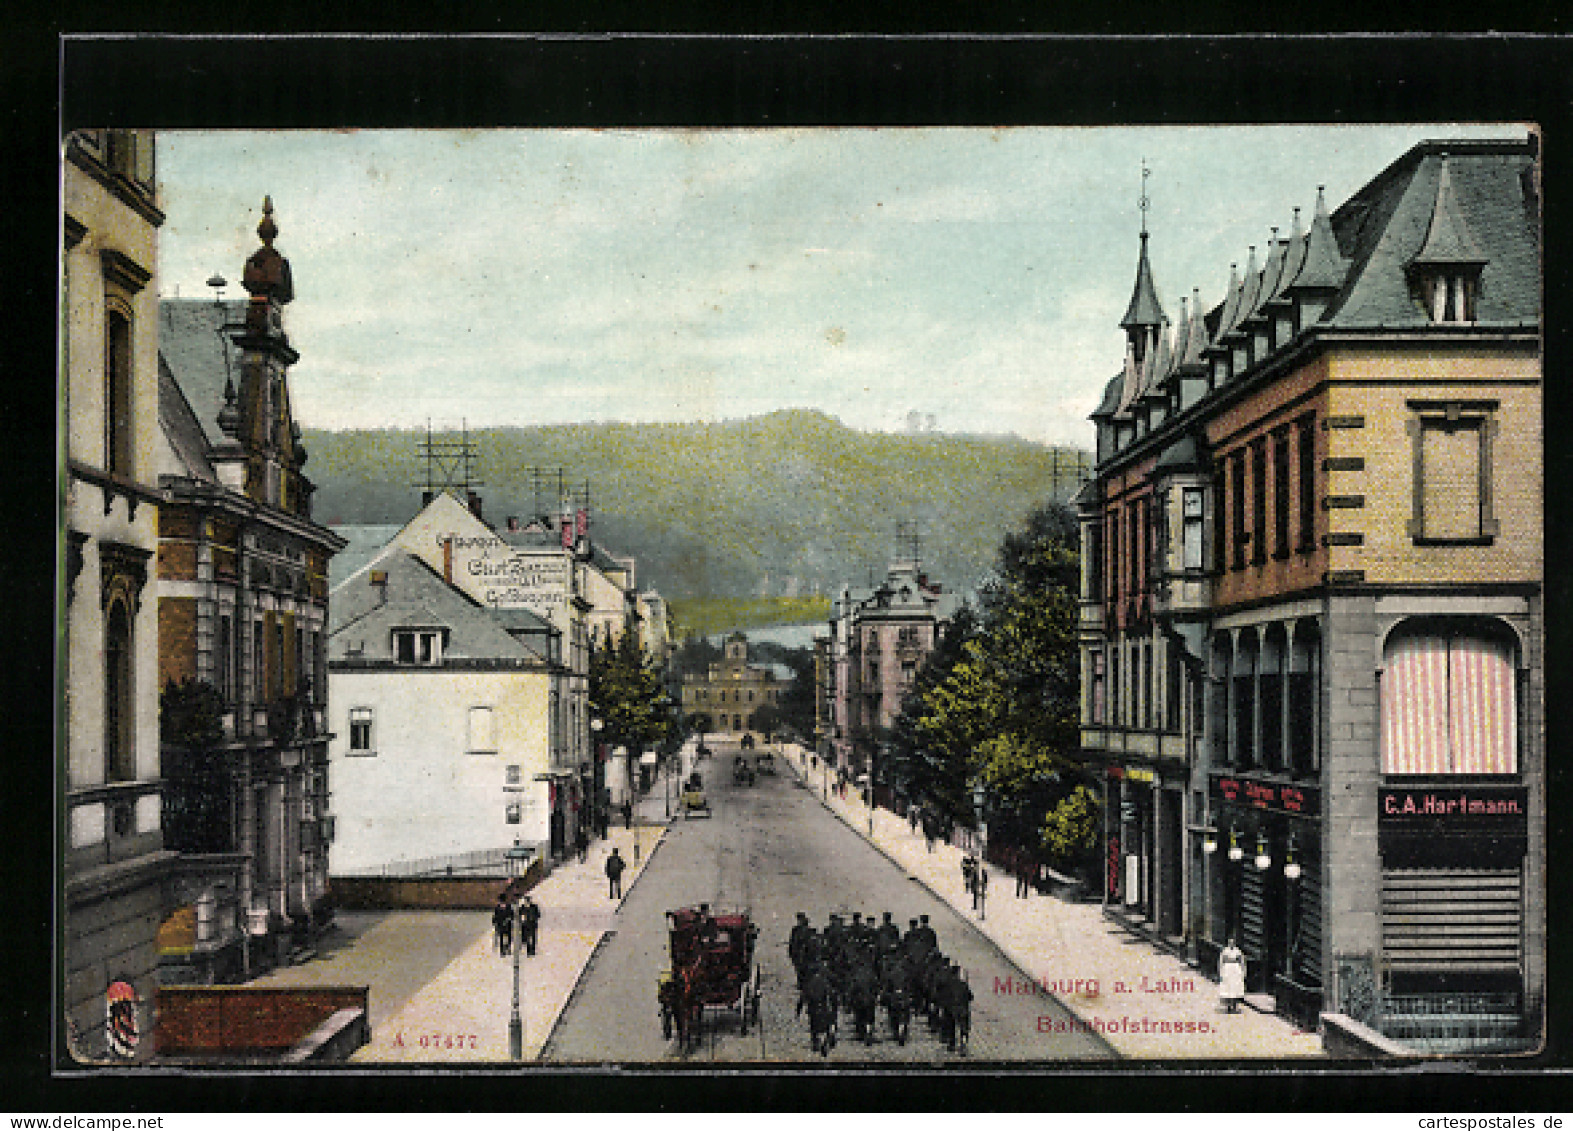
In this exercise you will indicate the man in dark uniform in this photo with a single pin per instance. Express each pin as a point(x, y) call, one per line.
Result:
point(798, 940)
point(887, 937)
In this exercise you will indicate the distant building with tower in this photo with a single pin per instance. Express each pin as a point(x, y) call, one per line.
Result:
point(730, 693)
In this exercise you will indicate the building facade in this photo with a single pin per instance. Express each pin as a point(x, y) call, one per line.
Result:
point(114, 863)
point(1312, 619)
point(242, 610)
point(732, 691)
point(877, 641)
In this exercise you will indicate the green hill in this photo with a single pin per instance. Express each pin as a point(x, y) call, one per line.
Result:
point(791, 504)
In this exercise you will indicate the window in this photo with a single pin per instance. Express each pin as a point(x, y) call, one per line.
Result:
point(1191, 548)
point(1237, 510)
point(259, 669)
point(1094, 542)
point(1452, 494)
point(513, 813)
point(417, 646)
point(1307, 484)
point(1281, 493)
point(1449, 703)
point(1133, 547)
point(224, 674)
point(1097, 694)
point(1449, 296)
point(483, 740)
point(909, 670)
point(119, 431)
point(120, 755)
point(513, 775)
point(360, 731)
point(1172, 689)
point(1259, 502)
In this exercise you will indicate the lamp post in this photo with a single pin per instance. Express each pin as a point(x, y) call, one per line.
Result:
point(516, 857)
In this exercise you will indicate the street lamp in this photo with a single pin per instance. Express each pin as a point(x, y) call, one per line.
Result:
point(516, 857)
point(1264, 860)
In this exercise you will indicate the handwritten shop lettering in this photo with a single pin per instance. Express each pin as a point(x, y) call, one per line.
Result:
point(520, 572)
point(1266, 795)
point(471, 542)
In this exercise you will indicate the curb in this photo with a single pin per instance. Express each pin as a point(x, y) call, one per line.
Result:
point(633, 883)
point(573, 994)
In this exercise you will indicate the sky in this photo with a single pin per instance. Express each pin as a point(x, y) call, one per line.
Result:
point(973, 277)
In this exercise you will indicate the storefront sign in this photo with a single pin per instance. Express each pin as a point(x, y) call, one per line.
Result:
point(1485, 808)
point(1141, 774)
point(1235, 789)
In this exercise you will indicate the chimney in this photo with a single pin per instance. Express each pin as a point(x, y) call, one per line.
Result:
point(475, 503)
point(447, 559)
point(426, 498)
point(379, 582)
point(513, 524)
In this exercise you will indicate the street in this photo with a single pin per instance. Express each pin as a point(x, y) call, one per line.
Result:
point(773, 849)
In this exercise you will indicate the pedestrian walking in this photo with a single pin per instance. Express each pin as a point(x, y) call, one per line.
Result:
point(583, 844)
point(529, 924)
point(628, 814)
point(1231, 976)
point(614, 874)
point(502, 925)
point(1023, 870)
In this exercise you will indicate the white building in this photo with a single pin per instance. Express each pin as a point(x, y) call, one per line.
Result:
point(445, 723)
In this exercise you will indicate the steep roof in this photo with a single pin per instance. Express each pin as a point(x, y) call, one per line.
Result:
point(190, 342)
point(1384, 228)
point(363, 615)
point(186, 437)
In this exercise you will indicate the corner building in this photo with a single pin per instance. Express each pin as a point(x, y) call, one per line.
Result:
point(1312, 622)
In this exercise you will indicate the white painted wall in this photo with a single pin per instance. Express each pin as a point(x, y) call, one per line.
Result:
point(424, 793)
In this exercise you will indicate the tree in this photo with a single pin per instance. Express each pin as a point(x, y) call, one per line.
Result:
point(767, 720)
point(628, 695)
point(1070, 831)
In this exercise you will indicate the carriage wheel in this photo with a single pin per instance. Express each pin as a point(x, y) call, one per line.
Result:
point(666, 1021)
point(746, 1006)
point(756, 995)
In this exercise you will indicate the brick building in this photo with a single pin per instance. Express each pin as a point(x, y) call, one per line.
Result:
point(242, 610)
point(1312, 610)
point(113, 859)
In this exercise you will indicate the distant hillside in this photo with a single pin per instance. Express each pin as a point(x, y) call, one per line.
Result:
point(792, 504)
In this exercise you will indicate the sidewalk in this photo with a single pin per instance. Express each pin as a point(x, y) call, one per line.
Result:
point(460, 1015)
point(1100, 972)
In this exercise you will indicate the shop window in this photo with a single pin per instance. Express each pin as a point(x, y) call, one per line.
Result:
point(483, 738)
point(361, 732)
point(1449, 703)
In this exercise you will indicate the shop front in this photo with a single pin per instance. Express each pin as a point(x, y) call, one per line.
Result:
point(1453, 915)
point(1264, 845)
point(1144, 838)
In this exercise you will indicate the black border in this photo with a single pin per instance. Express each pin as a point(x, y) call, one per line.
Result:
point(580, 77)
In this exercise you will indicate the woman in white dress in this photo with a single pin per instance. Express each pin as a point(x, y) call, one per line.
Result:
point(1231, 977)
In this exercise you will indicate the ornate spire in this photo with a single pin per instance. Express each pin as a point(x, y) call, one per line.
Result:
point(1144, 311)
point(267, 274)
point(229, 415)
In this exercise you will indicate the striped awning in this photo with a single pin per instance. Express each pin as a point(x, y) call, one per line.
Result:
point(1448, 707)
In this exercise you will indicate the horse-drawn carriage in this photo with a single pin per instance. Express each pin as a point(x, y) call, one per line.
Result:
point(742, 772)
point(712, 967)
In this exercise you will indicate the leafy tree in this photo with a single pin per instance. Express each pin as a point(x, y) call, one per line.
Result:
point(767, 720)
point(628, 694)
point(1070, 830)
point(797, 701)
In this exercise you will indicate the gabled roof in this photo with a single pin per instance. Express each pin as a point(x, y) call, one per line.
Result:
point(1323, 266)
point(190, 342)
point(1448, 239)
point(363, 614)
point(1111, 398)
point(1196, 341)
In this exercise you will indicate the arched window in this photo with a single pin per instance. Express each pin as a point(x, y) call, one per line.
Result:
point(120, 756)
point(1448, 700)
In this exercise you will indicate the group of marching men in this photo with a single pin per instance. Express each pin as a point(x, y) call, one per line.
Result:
point(860, 966)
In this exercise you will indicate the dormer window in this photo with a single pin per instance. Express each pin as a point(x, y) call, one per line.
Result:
point(421, 646)
point(1449, 295)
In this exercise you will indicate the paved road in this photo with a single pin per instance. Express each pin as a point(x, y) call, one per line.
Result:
point(774, 849)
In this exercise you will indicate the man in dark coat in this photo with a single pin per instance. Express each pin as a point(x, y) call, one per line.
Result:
point(502, 925)
point(614, 873)
point(529, 923)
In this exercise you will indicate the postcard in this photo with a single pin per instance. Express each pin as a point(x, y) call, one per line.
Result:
point(802, 597)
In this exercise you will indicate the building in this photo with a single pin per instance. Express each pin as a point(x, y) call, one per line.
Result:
point(446, 749)
point(730, 694)
point(242, 613)
point(1312, 620)
point(878, 640)
point(114, 865)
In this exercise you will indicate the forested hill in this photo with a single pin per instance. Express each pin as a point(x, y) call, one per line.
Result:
point(787, 504)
